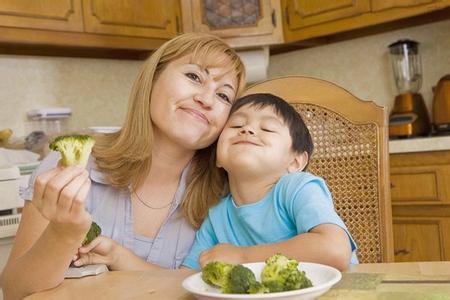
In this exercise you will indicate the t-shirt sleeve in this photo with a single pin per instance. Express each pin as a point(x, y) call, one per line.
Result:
point(312, 205)
point(205, 238)
point(49, 162)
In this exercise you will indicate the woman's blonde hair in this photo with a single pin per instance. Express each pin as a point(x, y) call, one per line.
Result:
point(125, 156)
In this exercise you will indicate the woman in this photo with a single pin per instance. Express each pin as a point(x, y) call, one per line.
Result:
point(148, 186)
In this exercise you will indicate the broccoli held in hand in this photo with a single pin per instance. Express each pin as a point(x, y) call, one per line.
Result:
point(93, 232)
point(216, 273)
point(74, 149)
point(282, 274)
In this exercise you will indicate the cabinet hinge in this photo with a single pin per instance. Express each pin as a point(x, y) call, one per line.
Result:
point(274, 18)
point(286, 15)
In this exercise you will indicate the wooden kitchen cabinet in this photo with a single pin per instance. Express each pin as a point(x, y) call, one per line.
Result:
point(420, 195)
point(301, 14)
point(121, 24)
point(241, 24)
point(303, 19)
point(140, 18)
point(61, 15)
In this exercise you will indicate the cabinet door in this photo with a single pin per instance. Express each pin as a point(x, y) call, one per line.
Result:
point(420, 239)
point(138, 18)
point(305, 13)
point(240, 23)
point(60, 15)
point(378, 5)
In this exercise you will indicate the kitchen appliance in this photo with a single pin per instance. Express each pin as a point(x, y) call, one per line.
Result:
point(441, 106)
point(9, 200)
point(409, 116)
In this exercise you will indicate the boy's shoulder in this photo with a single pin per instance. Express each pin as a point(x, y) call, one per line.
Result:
point(298, 178)
point(221, 205)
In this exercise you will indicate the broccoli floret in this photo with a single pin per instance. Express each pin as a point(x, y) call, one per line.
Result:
point(240, 280)
point(257, 288)
point(93, 232)
point(282, 274)
point(216, 273)
point(74, 149)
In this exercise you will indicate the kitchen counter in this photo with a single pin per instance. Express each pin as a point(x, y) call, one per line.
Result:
point(425, 144)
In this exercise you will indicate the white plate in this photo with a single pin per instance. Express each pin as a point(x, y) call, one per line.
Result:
point(322, 277)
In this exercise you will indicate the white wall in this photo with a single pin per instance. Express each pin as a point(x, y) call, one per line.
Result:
point(362, 65)
point(95, 89)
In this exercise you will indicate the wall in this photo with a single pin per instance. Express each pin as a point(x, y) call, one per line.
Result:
point(362, 65)
point(95, 89)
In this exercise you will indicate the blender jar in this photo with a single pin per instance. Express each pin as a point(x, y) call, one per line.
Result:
point(406, 64)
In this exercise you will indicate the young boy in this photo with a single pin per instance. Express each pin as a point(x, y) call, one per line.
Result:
point(273, 207)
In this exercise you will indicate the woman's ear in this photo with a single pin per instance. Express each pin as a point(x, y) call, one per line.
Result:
point(299, 162)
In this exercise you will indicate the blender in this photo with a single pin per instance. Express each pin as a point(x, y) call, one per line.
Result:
point(409, 117)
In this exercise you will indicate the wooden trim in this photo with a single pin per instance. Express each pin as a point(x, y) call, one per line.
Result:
point(420, 159)
point(75, 39)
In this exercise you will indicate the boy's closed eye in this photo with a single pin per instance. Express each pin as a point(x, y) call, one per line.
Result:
point(236, 126)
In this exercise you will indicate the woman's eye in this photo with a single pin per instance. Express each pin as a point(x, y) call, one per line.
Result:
point(193, 76)
point(224, 97)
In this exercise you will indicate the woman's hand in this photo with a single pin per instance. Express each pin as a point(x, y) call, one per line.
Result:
point(223, 252)
point(102, 250)
point(59, 195)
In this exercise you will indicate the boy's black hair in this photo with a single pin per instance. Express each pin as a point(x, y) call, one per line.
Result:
point(301, 138)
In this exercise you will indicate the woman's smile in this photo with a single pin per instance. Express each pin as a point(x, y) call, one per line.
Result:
point(196, 114)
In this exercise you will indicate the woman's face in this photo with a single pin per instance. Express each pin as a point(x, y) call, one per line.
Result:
point(190, 105)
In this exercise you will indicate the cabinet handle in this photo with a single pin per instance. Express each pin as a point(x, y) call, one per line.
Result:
point(177, 24)
point(286, 15)
point(401, 252)
point(274, 18)
point(392, 185)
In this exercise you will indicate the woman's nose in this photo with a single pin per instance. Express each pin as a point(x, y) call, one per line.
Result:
point(205, 99)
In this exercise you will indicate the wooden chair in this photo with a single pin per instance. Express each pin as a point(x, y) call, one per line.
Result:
point(350, 152)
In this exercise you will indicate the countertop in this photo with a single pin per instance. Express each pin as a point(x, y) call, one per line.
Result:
point(424, 144)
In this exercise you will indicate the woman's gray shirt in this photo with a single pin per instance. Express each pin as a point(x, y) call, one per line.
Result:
point(111, 209)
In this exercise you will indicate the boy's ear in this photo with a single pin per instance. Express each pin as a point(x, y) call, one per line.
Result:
point(299, 162)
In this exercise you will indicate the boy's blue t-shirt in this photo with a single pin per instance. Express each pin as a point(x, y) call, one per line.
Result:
point(297, 203)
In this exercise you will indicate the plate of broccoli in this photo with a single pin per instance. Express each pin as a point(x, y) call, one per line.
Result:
point(277, 278)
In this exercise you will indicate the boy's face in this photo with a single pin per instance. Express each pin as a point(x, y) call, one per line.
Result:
point(255, 141)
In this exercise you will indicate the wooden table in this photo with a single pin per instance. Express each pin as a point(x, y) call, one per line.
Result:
point(423, 280)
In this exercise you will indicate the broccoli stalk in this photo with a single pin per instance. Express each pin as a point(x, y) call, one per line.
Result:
point(94, 231)
point(74, 149)
point(282, 274)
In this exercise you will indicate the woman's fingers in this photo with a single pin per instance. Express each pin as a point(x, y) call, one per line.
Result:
point(78, 202)
point(57, 183)
point(90, 258)
point(91, 245)
point(70, 191)
point(40, 184)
